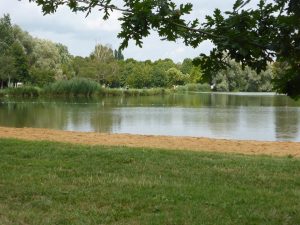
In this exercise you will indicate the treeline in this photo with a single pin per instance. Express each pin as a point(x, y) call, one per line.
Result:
point(38, 62)
point(238, 79)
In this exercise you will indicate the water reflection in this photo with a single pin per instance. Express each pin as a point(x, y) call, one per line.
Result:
point(58, 115)
point(234, 116)
point(287, 123)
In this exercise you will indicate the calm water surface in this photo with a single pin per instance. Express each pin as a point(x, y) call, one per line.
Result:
point(231, 116)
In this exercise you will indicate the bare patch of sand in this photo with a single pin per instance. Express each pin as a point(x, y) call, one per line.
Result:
point(161, 142)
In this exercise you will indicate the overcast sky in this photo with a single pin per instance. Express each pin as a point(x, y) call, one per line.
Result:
point(80, 34)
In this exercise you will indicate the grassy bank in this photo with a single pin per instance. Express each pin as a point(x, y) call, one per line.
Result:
point(86, 87)
point(51, 183)
point(69, 91)
point(133, 92)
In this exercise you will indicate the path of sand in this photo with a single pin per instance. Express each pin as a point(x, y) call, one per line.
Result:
point(149, 141)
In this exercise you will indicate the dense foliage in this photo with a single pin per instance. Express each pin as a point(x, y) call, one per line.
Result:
point(251, 36)
point(42, 63)
point(235, 78)
point(30, 60)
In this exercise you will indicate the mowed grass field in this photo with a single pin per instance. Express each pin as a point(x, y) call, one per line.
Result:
point(55, 183)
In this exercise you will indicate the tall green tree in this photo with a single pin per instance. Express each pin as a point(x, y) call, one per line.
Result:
point(176, 77)
point(25, 39)
point(6, 34)
point(187, 67)
point(84, 67)
point(21, 62)
point(65, 60)
point(102, 53)
point(52, 59)
point(158, 75)
point(7, 61)
point(105, 64)
point(118, 54)
point(8, 70)
point(137, 74)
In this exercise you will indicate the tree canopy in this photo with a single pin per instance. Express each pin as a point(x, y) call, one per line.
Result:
point(39, 62)
point(253, 37)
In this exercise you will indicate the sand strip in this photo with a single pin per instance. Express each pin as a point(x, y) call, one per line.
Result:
point(161, 142)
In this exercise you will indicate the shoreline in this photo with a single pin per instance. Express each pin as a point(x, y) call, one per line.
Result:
point(198, 144)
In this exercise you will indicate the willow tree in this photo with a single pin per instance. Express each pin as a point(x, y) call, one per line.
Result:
point(6, 35)
point(251, 36)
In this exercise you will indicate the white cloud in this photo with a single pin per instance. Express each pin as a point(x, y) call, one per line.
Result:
point(179, 50)
point(110, 25)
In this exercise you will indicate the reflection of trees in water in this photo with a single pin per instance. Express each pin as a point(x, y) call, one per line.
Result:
point(27, 114)
point(286, 123)
point(58, 115)
point(217, 114)
point(196, 100)
point(222, 121)
point(103, 118)
point(241, 100)
point(182, 100)
point(218, 99)
point(282, 100)
point(235, 116)
point(145, 120)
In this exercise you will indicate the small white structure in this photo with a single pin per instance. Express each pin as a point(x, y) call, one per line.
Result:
point(19, 84)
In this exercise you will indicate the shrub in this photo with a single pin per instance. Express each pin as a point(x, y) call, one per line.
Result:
point(194, 87)
point(73, 87)
point(25, 91)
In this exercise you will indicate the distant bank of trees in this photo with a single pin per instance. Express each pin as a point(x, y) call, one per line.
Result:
point(40, 62)
point(235, 78)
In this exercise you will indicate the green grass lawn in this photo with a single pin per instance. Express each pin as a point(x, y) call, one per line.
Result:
point(53, 183)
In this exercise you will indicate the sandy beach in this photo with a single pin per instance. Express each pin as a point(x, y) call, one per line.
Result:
point(159, 142)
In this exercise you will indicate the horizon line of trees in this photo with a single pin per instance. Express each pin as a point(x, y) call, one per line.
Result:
point(39, 62)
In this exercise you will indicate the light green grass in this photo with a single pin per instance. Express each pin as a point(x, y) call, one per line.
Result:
point(52, 183)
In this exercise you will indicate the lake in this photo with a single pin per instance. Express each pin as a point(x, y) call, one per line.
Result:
point(244, 116)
